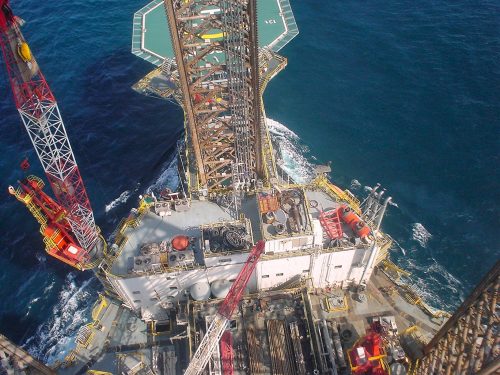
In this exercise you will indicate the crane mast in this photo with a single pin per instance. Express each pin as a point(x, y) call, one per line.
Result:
point(40, 115)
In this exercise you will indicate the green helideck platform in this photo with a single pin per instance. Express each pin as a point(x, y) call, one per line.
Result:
point(151, 36)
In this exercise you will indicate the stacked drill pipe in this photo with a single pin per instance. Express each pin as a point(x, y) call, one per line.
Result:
point(254, 352)
point(280, 348)
point(297, 348)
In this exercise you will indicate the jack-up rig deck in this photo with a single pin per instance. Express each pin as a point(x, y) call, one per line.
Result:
point(238, 271)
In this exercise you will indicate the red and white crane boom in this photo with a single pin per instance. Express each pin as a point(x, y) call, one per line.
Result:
point(41, 117)
point(221, 319)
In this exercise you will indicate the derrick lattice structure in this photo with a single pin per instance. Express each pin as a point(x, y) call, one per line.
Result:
point(469, 342)
point(40, 115)
point(15, 360)
point(216, 50)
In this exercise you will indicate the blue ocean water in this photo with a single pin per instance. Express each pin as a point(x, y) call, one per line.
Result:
point(402, 93)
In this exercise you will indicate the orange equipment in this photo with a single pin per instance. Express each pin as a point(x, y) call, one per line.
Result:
point(61, 247)
point(362, 230)
point(268, 203)
point(55, 227)
point(348, 215)
point(180, 242)
point(367, 355)
point(357, 225)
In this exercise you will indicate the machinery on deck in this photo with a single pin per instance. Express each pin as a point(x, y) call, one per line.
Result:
point(172, 254)
point(226, 309)
point(71, 235)
point(368, 354)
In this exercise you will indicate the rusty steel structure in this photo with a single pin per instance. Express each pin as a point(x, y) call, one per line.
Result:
point(15, 360)
point(469, 342)
point(216, 51)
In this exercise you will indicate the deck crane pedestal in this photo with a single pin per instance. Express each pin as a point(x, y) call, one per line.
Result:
point(223, 315)
point(74, 230)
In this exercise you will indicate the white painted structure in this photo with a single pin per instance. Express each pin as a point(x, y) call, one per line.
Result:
point(304, 254)
point(324, 268)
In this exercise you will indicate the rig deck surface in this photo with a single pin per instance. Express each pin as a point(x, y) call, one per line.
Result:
point(118, 340)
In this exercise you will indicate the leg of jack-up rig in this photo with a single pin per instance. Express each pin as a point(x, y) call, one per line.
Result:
point(469, 342)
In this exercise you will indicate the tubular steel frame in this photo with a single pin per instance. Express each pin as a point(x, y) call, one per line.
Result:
point(23, 361)
point(469, 342)
point(220, 96)
point(41, 117)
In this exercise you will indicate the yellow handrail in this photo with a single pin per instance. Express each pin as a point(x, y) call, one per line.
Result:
point(99, 306)
point(338, 193)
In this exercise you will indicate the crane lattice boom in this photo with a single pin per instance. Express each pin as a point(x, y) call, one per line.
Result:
point(226, 310)
point(41, 117)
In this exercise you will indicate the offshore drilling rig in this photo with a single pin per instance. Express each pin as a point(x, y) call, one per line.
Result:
point(240, 270)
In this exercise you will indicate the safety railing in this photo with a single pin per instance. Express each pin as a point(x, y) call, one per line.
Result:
point(138, 30)
point(291, 29)
point(27, 199)
point(99, 305)
point(340, 195)
point(408, 292)
point(384, 243)
point(390, 267)
point(267, 149)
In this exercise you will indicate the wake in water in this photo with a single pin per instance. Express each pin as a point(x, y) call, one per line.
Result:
point(55, 337)
point(169, 178)
point(438, 287)
point(421, 234)
point(292, 153)
point(123, 198)
point(355, 184)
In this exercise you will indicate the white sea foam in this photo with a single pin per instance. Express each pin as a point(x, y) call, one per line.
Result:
point(169, 178)
point(41, 257)
point(55, 337)
point(123, 198)
point(48, 288)
point(34, 300)
point(420, 234)
point(398, 246)
point(434, 282)
point(391, 203)
point(278, 129)
point(291, 152)
point(451, 281)
point(355, 184)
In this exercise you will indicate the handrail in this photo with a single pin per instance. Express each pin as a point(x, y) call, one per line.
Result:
point(338, 193)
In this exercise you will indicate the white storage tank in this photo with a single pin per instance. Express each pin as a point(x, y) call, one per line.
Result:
point(220, 288)
point(200, 291)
